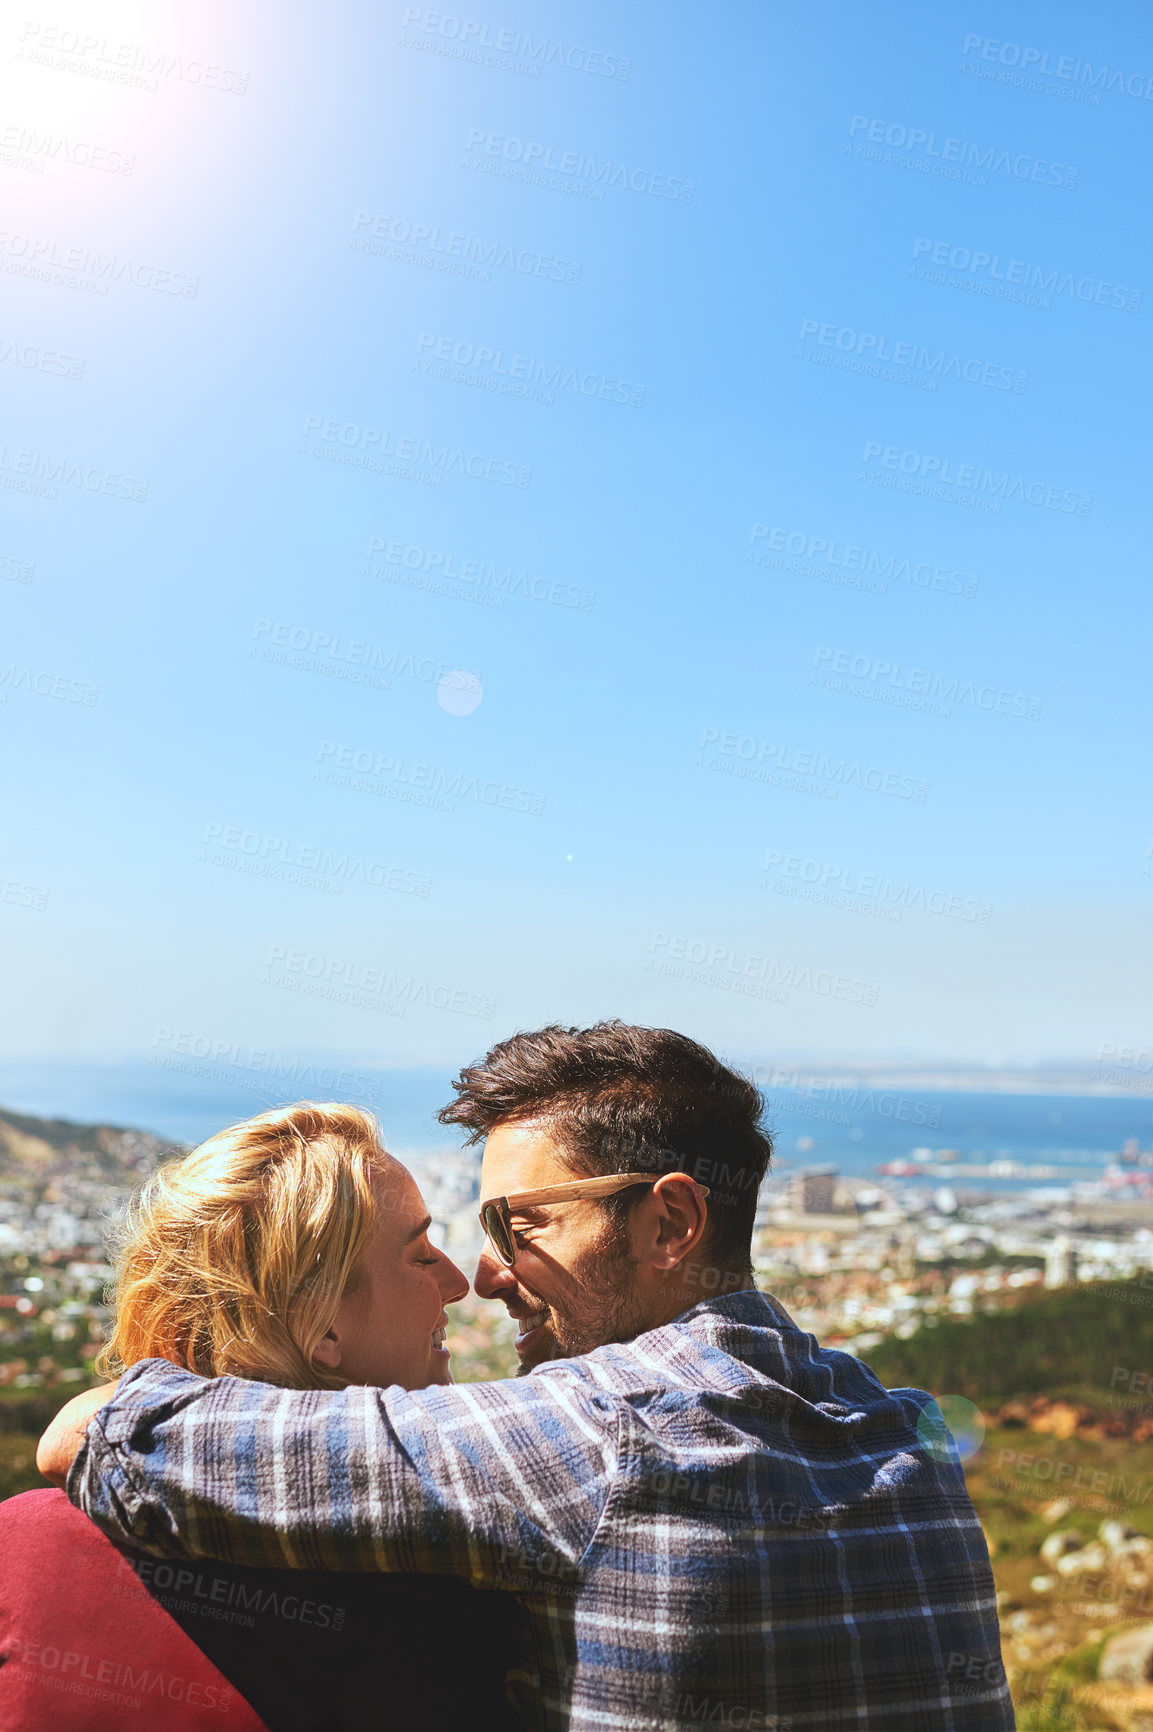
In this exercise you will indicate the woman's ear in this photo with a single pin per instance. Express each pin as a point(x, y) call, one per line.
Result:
point(327, 1351)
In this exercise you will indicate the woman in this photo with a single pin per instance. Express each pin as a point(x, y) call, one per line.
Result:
point(291, 1249)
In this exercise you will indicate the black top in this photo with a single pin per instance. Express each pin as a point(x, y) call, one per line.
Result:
point(314, 1651)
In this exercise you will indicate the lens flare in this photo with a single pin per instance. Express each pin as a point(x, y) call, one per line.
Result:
point(952, 1422)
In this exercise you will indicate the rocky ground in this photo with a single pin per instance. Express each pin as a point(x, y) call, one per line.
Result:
point(1066, 1500)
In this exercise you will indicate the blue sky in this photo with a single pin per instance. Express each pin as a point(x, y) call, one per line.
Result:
point(808, 619)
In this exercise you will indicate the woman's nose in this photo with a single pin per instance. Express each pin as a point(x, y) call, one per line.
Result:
point(453, 1281)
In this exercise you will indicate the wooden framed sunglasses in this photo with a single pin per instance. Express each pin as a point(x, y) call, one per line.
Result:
point(496, 1214)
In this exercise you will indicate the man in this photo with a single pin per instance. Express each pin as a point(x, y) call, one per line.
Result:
point(708, 1517)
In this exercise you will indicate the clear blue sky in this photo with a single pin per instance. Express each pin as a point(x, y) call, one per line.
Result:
point(785, 284)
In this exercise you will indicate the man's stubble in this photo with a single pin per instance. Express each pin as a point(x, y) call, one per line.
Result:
point(603, 1307)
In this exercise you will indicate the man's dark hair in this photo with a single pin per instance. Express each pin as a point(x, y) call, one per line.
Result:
point(621, 1099)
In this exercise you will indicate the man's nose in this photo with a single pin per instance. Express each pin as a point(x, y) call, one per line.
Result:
point(492, 1279)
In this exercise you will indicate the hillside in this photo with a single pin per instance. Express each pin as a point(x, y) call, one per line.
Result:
point(1073, 1343)
point(63, 1187)
point(43, 1149)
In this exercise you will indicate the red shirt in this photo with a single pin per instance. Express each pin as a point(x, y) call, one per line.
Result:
point(96, 1637)
point(84, 1647)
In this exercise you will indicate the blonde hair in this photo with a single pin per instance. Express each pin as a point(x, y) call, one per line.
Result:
point(235, 1258)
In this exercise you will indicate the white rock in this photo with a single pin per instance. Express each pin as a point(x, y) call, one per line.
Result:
point(1128, 1658)
point(1083, 1563)
point(1119, 1536)
point(1055, 1546)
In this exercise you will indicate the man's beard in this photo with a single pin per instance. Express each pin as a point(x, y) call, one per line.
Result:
point(604, 1308)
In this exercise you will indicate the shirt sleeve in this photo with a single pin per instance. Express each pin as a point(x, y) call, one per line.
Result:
point(497, 1483)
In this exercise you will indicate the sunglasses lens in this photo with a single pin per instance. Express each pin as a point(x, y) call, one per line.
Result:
point(498, 1233)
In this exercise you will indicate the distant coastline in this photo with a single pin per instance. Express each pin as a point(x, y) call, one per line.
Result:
point(1106, 1080)
point(858, 1107)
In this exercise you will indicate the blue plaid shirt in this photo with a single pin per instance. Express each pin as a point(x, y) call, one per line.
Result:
point(719, 1523)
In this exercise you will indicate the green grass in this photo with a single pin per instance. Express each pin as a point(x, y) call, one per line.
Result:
point(18, 1464)
point(1062, 1343)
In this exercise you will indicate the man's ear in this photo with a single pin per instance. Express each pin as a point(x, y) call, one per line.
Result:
point(327, 1351)
point(685, 1216)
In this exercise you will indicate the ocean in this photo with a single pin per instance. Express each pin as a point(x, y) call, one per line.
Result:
point(854, 1128)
